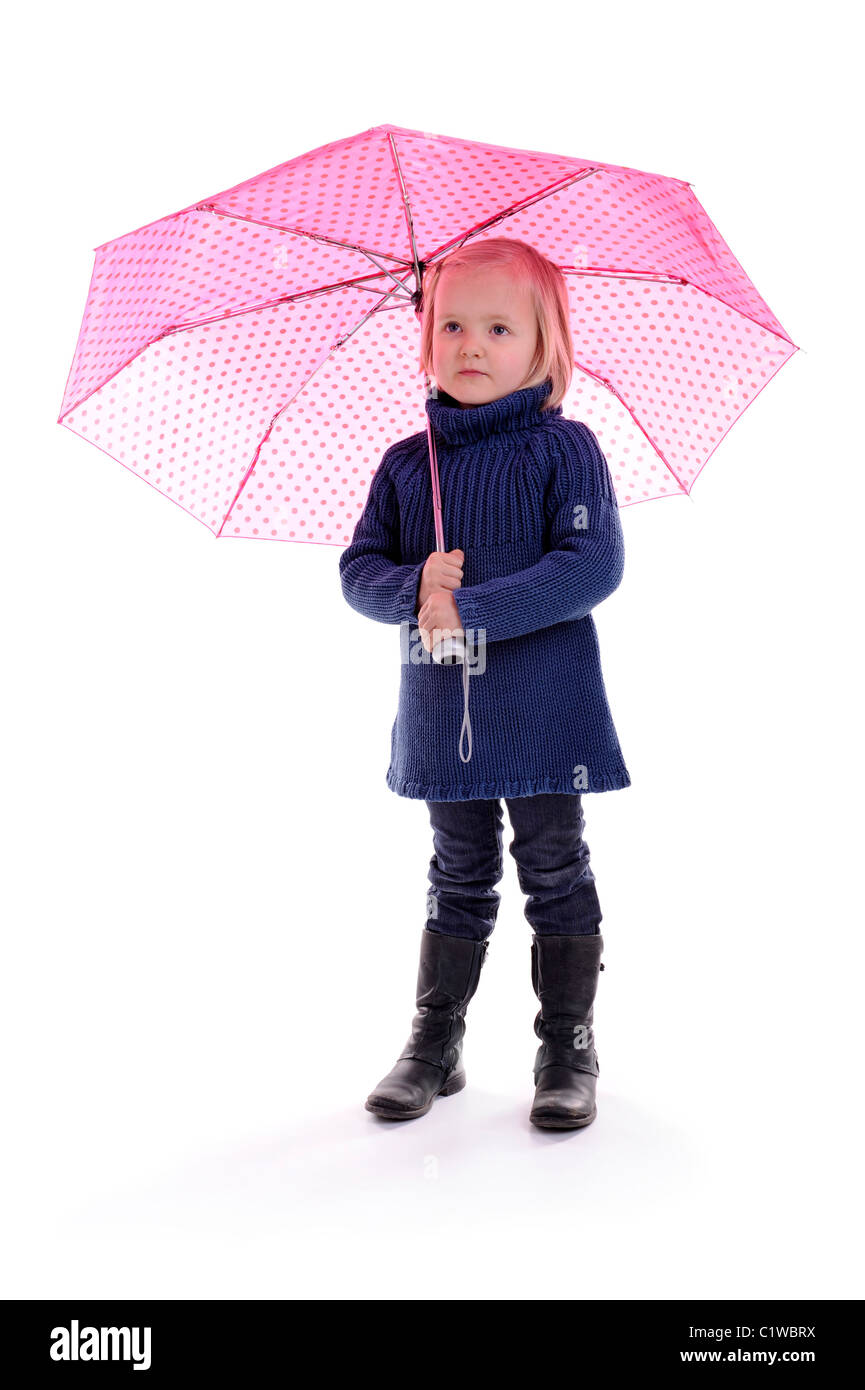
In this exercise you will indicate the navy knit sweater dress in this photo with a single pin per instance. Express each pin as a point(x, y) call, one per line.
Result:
point(527, 496)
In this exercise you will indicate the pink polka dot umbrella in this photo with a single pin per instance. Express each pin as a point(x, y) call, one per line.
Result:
point(253, 355)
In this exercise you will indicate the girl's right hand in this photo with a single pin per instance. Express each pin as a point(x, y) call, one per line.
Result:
point(443, 570)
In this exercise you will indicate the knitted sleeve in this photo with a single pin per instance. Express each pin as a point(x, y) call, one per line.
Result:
point(373, 581)
point(585, 555)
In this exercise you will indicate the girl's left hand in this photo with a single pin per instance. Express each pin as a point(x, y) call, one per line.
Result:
point(438, 612)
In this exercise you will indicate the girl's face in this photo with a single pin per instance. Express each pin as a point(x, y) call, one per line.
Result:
point(483, 321)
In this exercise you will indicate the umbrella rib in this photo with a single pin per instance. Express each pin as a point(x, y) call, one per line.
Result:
point(294, 231)
point(218, 318)
point(528, 202)
point(262, 441)
point(338, 344)
point(312, 236)
point(557, 186)
point(271, 303)
point(659, 277)
point(651, 277)
point(624, 404)
point(749, 318)
point(406, 206)
point(741, 413)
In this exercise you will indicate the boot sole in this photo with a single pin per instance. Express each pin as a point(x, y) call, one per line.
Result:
point(559, 1120)
point(389, 1112)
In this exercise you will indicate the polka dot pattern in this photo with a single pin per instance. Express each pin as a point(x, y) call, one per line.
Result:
point(252, 356)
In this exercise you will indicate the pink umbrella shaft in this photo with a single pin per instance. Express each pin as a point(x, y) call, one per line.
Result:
point(436, 493)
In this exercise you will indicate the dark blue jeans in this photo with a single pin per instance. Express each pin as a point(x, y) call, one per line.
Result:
point(552, 861)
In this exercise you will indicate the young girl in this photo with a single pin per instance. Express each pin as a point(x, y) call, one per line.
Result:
point(528, 495)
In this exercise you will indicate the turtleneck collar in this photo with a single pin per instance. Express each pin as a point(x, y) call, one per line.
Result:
point(519, 410)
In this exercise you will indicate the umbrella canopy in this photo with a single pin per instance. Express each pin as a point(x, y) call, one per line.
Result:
point(253, 355)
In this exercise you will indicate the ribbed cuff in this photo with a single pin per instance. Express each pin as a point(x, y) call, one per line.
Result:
point(407, 599)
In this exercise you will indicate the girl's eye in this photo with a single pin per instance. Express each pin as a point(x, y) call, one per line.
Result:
point(495, 325)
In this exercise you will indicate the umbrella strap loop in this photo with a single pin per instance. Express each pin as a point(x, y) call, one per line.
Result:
point(466, 724)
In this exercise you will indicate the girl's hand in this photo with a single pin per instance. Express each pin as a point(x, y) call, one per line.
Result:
point(438, 618)
point(443, 570)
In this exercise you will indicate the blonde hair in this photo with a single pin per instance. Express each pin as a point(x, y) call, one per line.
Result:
point(554, 354)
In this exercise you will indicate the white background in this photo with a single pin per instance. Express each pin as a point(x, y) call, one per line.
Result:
point(213, 902)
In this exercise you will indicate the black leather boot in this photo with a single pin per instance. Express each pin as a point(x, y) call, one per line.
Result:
point(430, 1064)
point(565, 972)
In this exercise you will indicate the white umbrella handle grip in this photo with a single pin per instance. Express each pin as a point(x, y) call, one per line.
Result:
point(450, 651)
